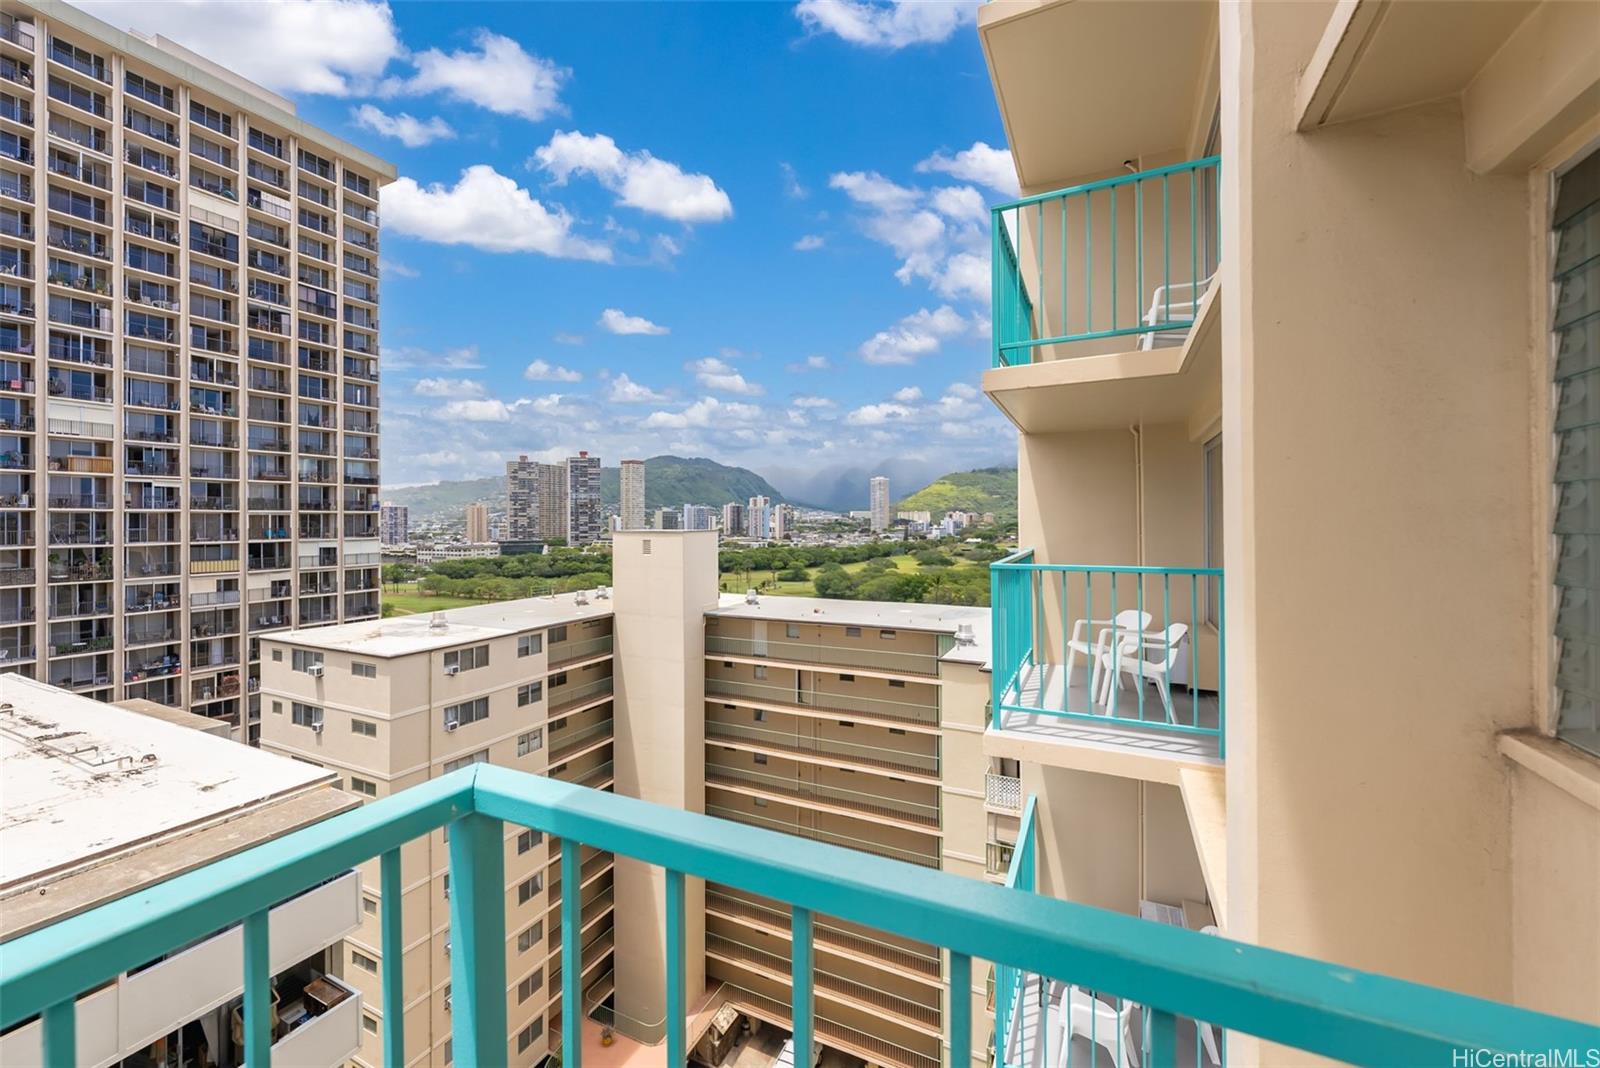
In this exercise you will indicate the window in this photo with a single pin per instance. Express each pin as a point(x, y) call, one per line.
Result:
point(847, 678)
point(529, 1035)
point(305, 660)
point(897, 684)
point(530, 986)
point(558, 679)
point(277, 708)
point(530, 938)
point(369, 1023)
point(480, 757)
point(896, 730)
point(791, 630)
point(558, 634)
point(364, 727)
point(531, 742)
point(363, 671)
point(852, 632)
point(886, 635)
point(761, 671)
point(760, 715)
point(277, 655)
point(527, 840)
point(530, 694)
point(530, 644)
point(210, 118)
point(369, 905)
point(467, 659)
point(529, 887)
point(466, 712)
point(1576, 277)
point(760, 802)
point(363, 787)
point(306, 715)
point(1213, 521)
point(761, 758)
point(362, 961)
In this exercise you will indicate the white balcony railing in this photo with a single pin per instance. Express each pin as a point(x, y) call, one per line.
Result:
point(1002, 793)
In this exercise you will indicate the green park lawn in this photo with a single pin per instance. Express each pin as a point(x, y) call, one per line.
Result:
point(409, 602)
point(738, 582)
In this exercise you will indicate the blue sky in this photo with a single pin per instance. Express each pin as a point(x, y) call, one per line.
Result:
point(750, 231)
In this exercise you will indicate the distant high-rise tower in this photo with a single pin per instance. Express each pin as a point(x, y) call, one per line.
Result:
point(583, 499)
point(668, 519)
point(698, 517)
point(758, 518)
point(394, 522)
point(522, 493)
point(782, 521)
point(632, 508)
point(879, 491)
point(733, 519)
point(477, 523)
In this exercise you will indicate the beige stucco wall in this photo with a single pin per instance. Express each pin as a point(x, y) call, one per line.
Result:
point(1378, 483)
point(660, 601)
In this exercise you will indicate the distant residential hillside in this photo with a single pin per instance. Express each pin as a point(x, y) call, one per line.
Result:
point(669, 482)
point(988, 489)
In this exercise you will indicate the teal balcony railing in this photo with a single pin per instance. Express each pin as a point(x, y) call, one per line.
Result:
point(1008, 980)
point(1322, 1008)
point(1128, 257)
point(1131, 646)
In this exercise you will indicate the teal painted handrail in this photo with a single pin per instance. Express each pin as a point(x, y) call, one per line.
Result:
point(1060, 650)
point(1311, 1005)
point(1048, 297)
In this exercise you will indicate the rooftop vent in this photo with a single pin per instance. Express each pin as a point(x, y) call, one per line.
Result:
point(964, 634)
point(437, 623)
point(602, 593)
point(751, 597)
point(581, 598)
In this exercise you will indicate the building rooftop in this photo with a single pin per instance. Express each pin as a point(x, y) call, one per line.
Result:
point(88, 783)
point(938, 618)
point(404, 635)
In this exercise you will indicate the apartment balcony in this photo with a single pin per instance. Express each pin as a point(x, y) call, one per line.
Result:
point(810, 654)
point(565, 700)
point(826, 752)
point(1321, 1008)
point(576, 651)
point(911, 715)
point(1002, 794)
point(1105, 302)
point(820, 797)
point(1116, 670)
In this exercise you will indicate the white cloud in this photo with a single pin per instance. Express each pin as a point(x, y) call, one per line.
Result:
point(487, 211)
point(448, 387)
point(918, 334)
point(397, 269)
point(940, 237)
point(618, 322)
point(892, 25)
point(705, 412)
point(811, 363)
point(625, 390)
point(409, 131)
point(639, 179)
point(908, 394)
point(791, 183)
point(542, 371)
point(988, 166)
point(499, 75)
point(465, 357)
point(878, 414)
point(812, 402)
point(720, 377)
point(961, 389)
point(567, 339)
point(808, 243)
point(477, 411)
point(334, 47)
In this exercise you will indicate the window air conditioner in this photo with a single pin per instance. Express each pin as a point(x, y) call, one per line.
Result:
point(315, 671)
point(452, 670)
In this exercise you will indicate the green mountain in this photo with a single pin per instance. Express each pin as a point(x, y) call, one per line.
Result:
point(673, 481)
point(669, 482)
point(988, 489)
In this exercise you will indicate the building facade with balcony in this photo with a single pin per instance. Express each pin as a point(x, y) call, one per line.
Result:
point(188, 368)
point(1234, 325)
point(103, 803)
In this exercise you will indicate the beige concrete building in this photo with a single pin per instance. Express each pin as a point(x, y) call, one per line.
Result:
point(477, 523)
point(1326, 327)
point(631, 511)
point(188, 367)
point(856, 723)
point(879, 503)
point(101, 802)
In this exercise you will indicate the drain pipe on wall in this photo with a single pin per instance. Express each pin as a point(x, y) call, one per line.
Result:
point(1137, 430)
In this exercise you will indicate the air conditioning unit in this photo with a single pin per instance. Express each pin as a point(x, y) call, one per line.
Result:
point(316, 725)
point(451, 723)
point(452, 670)
point(315, 671)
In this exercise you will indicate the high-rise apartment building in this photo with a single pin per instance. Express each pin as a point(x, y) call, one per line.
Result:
point(699, 517)
point(584, 522)
point(1233, 489)
point(758, 518)
point(878, 493)
point(537, 500)
point(394, 523)
point(103, 802)
point(632, 504)
point(188, 367)
point(477, 523)
point(668, 519)
point(782, 521)
point(733, 519)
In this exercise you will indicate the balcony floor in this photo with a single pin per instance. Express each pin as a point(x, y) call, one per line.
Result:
point(1046, 687)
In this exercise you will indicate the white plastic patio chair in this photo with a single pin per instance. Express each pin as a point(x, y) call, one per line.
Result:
point(1099, 1023)
point(1177, 302)
point(1129, 621)
point(1149, 658)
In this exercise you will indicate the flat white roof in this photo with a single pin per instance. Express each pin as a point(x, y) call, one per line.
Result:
point(404, 635)
point(81, 780)
point(892, 615)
